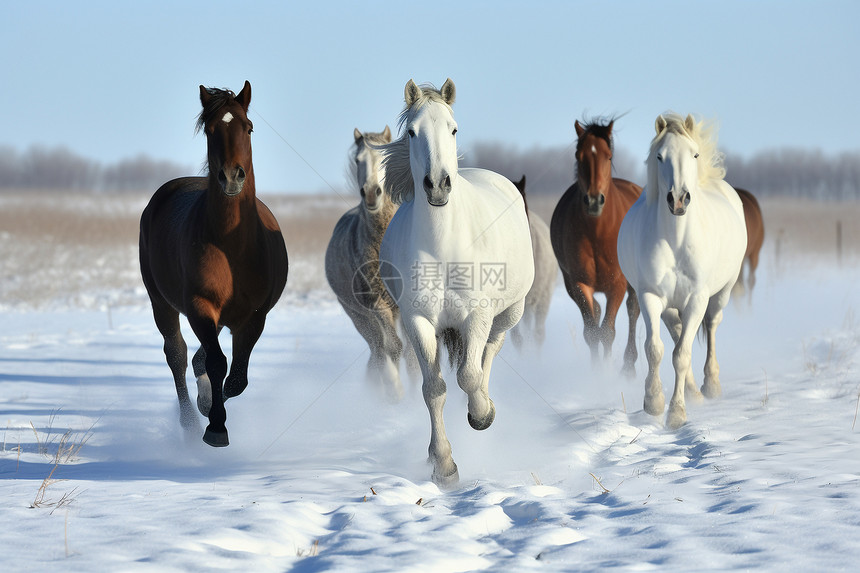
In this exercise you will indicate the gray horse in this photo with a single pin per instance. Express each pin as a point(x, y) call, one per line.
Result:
point(533, 323)
point(352, 264)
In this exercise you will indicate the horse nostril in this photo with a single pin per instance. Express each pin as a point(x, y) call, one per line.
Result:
point(362, 191)
point(447, 182)
point(602, 198)
point(240, 174)
point(585, 199)
point(687, 198)
point(222, 177)
point(428, 185)
point(378, 191)
point(669, 199)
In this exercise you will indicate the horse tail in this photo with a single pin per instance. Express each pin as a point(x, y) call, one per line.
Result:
point(453, 342)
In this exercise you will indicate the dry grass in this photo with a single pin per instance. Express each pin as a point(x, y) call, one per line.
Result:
point(80, 249)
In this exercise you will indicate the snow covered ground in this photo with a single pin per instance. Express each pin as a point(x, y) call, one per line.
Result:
point(323, 474)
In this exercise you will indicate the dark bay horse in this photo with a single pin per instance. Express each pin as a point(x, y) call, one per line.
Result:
point(584, 233)
point(214, 252)
point(755, 239)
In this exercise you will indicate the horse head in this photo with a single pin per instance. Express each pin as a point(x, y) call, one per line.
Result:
point(429, 123)
point(225, 122)
point(368, 169)
point(674, 161)
point(521, 187)
point(594, 164)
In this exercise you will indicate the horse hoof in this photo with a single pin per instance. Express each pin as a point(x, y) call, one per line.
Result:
point(712, 390)
point(655, 406)
point(233, 387)
point(628, 371)
point(675, 420)
point(446, 482)
point(484, 423)
point(216, 439)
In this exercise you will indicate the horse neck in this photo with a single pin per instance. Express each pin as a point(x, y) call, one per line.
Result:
point(373, 225)
point(228, 217)
point(431, 225)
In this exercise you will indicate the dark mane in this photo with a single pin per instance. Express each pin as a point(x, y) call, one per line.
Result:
point(220, 97)
point(599, 127)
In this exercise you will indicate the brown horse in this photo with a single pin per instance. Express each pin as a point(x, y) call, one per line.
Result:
point(755, 239)
point(214, 252)
point(584, 233)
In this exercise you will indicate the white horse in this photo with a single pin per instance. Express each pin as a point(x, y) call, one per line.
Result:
point(682, 258)
point(352, 262)
point(460, 241)
point(539, 297)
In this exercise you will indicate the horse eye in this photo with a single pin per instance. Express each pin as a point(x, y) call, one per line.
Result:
point(659, 157)
point(696, 156)
point(454, 132)
point(411, 133)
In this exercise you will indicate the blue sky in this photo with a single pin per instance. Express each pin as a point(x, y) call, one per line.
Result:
point(112, 80)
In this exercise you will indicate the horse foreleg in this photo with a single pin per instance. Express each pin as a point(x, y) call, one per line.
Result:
point(583, 296)
point(630, 352)
point(607, 329)
point(470, 371)
point(203, 320)
point(672, 319)
point(176, 354)
point(713, 317)
point(652, 308)
point(244, 340)
point(682, 356)
point(204, 385)
point(422, 335)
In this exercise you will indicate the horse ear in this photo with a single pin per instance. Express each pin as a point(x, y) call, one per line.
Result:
point(660, 124)
point(521, 185)
point(411, 93)
point(386, 134)
point(579, 129)
point(357, 135)
point(690, 123)
point(204, 95)
point(609, 128)
point(244, 97)
point(448, 91)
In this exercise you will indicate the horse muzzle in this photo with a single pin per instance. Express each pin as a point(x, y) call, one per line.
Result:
point(594, 205)
point(678, 205)
point(231, 185)
point(437, 194)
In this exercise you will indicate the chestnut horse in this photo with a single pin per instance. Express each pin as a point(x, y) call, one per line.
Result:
point(755, 239)
point(584, 233)
point(214, 252)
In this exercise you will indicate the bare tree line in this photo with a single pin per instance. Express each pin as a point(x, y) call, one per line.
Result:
point(59, 168)
point(777, 173)
point(550, 170)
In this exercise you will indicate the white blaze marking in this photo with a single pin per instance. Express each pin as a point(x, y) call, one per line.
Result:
point(593, 148)
point(227, 117)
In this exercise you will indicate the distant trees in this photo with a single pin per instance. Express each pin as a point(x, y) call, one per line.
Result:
point(777, 173)
point(58, 168)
